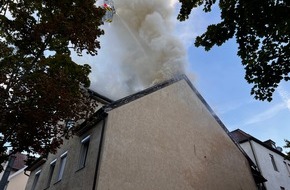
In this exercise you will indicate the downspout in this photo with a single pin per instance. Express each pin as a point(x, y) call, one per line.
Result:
point(99, 153)
point(7, 171)
point(255, 158)
point(254, 153)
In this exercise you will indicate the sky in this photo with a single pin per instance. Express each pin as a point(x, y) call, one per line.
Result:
point(219, 77)
point(217, 74)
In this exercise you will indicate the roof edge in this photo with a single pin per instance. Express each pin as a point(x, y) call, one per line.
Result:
point(37, 163)
point(90, 122)
point(250, 137)
point(143, 93)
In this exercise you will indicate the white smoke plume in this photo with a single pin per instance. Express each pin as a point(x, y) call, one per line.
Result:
point(138, 50)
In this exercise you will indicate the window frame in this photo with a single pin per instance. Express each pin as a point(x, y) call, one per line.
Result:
point(274, 163)
point(35, 180)
point(85, 144)
point(63, 160)
point(51, 171)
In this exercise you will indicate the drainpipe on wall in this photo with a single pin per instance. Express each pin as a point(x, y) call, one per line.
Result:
point(258, 166)
point(99, 153)
point(7, 171)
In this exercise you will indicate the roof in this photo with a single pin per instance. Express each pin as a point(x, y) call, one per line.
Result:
point(118, 103)
point(240, 136)
point(90, 122)
point(38, 162)
point(19, 161)
point(99, 97)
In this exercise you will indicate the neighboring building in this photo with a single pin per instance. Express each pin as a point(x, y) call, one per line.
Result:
point(165, 137)
point(269, 159)
point(17, 179)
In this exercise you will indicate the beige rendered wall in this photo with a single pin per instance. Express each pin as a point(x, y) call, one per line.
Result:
point(17, 181)
point(169, 140)
point(73, 178)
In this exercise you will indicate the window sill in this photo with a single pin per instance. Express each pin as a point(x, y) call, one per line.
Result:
point(57, 182)
point(81, 168)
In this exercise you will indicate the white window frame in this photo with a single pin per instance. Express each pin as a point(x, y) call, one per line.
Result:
point(63, 160)
point(85, 144)
point(36, 179)
point(51, 171)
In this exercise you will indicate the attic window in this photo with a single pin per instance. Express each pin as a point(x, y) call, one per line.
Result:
point(273, 162)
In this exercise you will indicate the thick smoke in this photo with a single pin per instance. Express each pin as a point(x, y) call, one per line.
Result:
point(139, 49)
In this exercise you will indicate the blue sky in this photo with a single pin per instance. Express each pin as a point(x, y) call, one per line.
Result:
point(219, 77)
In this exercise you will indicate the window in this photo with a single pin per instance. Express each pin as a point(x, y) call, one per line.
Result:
point(84, 151)
point(62, 166)
point(50, 174)
point(287, 168)
point(273, 162)
point(70, 124)
point(36, 177)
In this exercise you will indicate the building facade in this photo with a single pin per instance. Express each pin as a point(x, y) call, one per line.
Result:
point(165, 137)
point(16, 178)
point(269, 159)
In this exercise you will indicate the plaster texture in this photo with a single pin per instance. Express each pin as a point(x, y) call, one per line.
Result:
point(17, 181)
point(169, 140)
point(74, 177)
point(276, 179)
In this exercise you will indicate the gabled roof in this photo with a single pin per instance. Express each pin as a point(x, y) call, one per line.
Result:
point(240, 136)
point(157, 87)
point(118, 103)
point(99, 97)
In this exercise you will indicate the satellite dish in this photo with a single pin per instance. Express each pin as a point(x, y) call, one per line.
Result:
point(279, 149)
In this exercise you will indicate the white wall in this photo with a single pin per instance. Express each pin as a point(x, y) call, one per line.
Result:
point(276, 179)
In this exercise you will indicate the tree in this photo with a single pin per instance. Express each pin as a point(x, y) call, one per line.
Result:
point(287, 146)
point(40, 86)
point(262, 32)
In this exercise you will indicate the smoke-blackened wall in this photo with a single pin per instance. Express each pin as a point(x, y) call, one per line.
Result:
point(139, 48)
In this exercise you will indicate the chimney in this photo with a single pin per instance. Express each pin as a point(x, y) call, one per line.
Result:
point(270, 143)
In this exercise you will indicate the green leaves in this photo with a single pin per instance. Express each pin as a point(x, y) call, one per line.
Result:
point(39, 92)
point(262, 32)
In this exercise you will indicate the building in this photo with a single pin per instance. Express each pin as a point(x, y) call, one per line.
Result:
point(165, 137)
point(17, 179)
point(269, 159)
